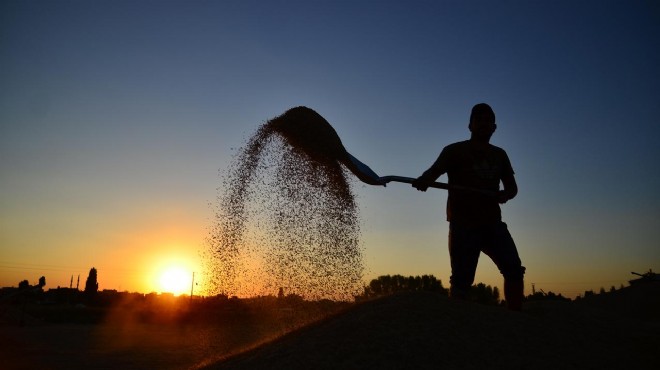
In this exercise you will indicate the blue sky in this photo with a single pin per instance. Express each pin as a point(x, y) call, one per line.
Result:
point(117, 116)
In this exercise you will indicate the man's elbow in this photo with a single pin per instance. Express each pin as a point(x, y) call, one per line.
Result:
point(513, 193)
point(510, 188)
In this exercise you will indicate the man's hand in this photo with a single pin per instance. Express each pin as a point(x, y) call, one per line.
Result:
point(420, 184)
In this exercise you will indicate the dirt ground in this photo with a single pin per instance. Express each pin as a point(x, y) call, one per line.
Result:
point(427, 331)
point(119, 342)
point(620, 330)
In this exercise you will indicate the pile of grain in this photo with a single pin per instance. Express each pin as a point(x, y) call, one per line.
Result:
point(287, 217)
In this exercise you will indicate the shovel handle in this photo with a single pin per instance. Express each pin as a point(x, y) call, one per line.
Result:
point(437, 185)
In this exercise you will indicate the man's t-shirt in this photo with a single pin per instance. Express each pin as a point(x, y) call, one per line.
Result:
point(475, 166)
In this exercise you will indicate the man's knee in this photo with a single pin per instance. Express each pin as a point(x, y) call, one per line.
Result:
point(516, 273)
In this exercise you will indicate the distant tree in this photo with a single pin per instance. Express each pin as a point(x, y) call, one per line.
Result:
point(485, 294)
point(390, 284)
point(92, 285)
point(42, 282)
point(430, 283)
point(602, 290)
point(612, 289)
point(542, 296)
point(24, 284)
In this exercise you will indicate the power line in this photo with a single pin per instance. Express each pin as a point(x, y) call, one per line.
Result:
point(65, 268)
point(33, 266)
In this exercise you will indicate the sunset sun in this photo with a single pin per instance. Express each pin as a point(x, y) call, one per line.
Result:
point(175, 280)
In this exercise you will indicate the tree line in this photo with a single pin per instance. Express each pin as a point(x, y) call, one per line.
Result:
point(381, 286)
point(392, 284)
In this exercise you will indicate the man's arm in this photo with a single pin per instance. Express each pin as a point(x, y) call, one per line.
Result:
point(437, 169)
point(510, 188)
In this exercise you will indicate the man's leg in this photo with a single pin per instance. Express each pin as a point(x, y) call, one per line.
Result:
point(464, 255)
point(502, 250)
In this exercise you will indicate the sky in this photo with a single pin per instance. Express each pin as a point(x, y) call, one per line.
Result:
point(117, 119)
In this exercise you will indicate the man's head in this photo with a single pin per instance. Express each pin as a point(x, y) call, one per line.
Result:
point(482, 121)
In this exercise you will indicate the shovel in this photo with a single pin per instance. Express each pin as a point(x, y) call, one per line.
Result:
point(308, 131)
point(363, 172)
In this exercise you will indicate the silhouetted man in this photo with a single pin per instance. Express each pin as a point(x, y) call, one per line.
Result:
point(475, 220)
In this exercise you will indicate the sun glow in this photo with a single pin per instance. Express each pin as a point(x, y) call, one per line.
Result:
point(175, 280)
point(173, 268)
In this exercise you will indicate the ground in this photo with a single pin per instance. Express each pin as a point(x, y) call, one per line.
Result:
point(619, 330)
point(428, 331)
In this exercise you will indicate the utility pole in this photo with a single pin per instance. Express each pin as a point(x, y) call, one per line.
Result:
point(192, 286)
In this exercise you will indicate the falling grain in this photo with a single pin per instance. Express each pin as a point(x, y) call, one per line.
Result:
point(287, 217)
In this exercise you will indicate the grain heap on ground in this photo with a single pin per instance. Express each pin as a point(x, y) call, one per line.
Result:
point(287, 217)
